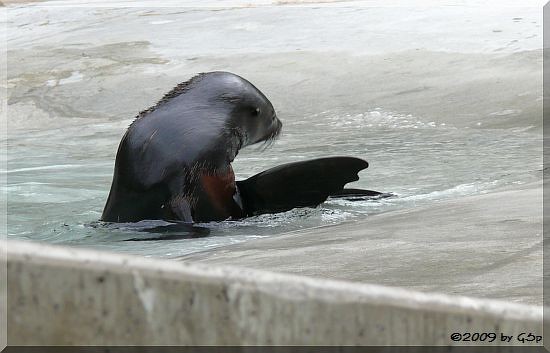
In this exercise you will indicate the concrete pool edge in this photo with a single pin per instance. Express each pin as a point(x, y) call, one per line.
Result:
point(67, 296)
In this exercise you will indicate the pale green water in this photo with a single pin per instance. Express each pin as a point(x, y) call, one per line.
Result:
point(437, 113)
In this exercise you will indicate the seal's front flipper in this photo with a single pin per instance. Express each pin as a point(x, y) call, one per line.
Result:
point(299, 184)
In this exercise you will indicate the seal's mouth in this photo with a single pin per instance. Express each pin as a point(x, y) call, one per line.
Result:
point(273, 133)
point(278, 126)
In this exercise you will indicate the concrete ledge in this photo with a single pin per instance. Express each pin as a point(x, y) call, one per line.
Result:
point(67, 296)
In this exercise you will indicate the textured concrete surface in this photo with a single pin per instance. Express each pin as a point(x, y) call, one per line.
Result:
point(68, 296)
point(483, 246)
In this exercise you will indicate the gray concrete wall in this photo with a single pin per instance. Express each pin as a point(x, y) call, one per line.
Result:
point(68, 296)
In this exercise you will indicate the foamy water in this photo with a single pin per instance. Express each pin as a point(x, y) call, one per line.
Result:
point(443, 102)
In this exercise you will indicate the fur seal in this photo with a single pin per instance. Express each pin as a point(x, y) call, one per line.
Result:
point(174, 161)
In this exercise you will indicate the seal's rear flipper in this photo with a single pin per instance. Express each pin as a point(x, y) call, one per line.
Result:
point(299, 184)
point(360, 195)
point(356, 193)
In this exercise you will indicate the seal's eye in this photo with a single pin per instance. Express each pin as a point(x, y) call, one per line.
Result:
point(256, 112)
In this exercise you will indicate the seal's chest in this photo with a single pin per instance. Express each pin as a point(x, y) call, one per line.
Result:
point(218, 191)
point(219, 187)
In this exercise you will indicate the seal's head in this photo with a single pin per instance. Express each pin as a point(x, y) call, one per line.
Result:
point(203, 121)
point(252, 116)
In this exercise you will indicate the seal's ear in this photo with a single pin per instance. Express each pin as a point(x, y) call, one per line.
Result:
point(300, 184)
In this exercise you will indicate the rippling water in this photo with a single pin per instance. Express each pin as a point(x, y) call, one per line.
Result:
point(436, 113)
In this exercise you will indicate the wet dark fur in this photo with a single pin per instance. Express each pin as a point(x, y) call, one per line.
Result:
point(174, 92)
